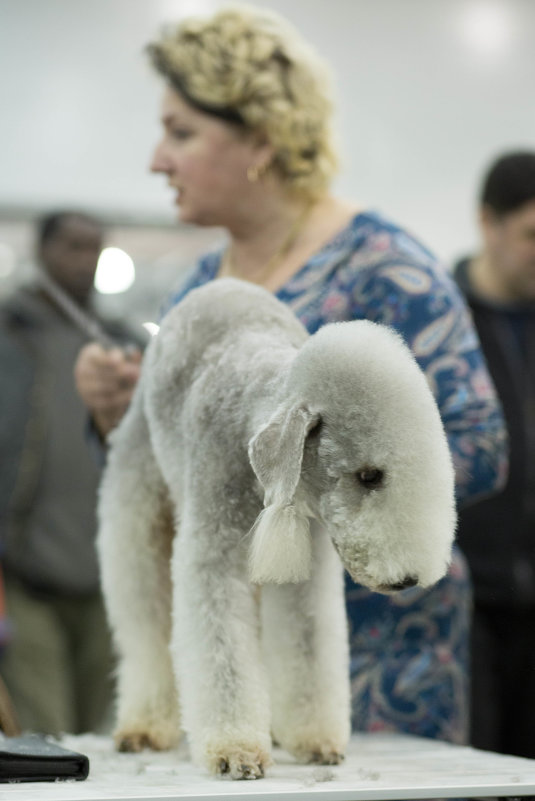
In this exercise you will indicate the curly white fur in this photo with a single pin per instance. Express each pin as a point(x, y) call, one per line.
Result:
point(339, 437)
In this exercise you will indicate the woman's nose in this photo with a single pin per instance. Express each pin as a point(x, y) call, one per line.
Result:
point(159, 162)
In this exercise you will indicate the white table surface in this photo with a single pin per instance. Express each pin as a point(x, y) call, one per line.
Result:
point(378, 766)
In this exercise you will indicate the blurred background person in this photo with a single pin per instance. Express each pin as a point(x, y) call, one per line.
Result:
point(57, 664)
point(247, 145)
point(498, 534)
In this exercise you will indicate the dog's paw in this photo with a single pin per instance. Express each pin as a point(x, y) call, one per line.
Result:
point(241, 770)
point(317, 755)
point(324, 757)
point(137, 739)
point(240, 763)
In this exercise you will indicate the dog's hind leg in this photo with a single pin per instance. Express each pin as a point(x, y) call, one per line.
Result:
point(216, 646)
point(134, 543)
point(305, 644)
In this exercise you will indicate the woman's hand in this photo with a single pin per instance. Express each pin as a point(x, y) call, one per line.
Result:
point(105, 380)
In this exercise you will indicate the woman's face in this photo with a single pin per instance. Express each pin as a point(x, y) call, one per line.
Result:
point(205, 160)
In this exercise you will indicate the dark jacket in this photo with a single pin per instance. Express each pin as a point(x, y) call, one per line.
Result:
point(498, 534)
point(34, 401)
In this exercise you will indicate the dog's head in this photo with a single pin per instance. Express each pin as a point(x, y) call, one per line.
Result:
point(358, 444)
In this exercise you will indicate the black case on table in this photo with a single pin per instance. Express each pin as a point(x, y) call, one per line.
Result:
point(34, 758)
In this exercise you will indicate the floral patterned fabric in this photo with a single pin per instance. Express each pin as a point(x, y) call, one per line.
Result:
point(409, 652)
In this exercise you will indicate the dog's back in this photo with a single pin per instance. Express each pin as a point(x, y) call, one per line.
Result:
point(219, 315)
point(225, 341)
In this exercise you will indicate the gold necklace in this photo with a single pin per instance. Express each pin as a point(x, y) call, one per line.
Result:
point(227, 266)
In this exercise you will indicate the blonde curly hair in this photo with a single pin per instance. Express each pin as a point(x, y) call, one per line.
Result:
point(251, 67)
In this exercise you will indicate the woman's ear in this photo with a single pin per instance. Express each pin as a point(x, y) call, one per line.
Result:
point(280, 548)
point(262, 156)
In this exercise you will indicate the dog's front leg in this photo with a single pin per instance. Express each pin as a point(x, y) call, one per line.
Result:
point(306, 651)
point(216, 647)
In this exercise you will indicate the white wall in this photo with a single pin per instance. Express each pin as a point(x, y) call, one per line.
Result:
point(425, 100)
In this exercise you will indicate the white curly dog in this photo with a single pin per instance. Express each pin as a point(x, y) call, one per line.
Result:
point(337, 437)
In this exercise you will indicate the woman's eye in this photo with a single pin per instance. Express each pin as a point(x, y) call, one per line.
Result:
point(180, 133)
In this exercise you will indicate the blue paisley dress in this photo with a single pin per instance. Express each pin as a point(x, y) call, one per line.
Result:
point(409, 652)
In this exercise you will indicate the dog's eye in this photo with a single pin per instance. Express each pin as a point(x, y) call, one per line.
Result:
point(370, 477)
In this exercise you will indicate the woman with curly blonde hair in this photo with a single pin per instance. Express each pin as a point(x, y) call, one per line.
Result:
point(247, 145)
point(255, 71)
point(248, 108)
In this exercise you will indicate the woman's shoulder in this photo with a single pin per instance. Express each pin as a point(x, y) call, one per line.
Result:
point(371, 232)
point(371, 249)
point(386, 264)
point(367, 247)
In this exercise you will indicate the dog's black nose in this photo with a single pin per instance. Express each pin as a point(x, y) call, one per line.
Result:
point(404, 584)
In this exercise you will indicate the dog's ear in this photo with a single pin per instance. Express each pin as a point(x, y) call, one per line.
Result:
point(280, 547)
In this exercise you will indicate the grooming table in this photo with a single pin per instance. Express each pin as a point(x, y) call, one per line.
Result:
point(378, 766)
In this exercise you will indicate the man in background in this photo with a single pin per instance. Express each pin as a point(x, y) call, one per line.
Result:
point(57, 664)
point(498, 534)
